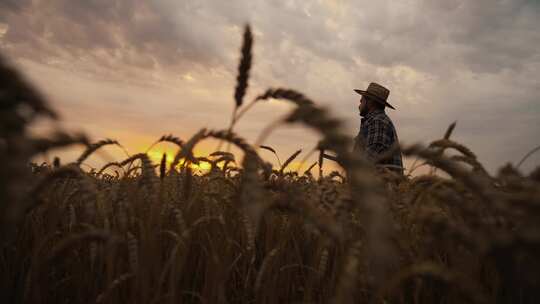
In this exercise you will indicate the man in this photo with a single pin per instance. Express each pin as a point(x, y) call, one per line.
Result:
point(377, 133)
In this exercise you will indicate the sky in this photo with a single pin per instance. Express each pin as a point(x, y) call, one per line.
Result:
point(134, 70)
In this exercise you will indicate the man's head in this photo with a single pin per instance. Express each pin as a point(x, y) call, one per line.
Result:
point(374, 98)
point(368, 105)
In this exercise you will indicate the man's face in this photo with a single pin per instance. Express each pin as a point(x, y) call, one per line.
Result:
point(362, 107)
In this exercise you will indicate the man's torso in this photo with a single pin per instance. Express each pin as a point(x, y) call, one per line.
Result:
point(378, 134)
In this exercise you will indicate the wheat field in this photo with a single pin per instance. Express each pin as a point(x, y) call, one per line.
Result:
point(135, 231)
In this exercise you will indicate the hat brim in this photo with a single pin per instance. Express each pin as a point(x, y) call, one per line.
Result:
point(376, 98)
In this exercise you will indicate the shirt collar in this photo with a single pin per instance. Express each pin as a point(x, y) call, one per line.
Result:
point(372, 114)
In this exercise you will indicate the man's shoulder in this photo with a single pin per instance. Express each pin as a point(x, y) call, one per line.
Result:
point(380, 117)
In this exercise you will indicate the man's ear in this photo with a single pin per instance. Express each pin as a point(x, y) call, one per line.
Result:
point(369, 104)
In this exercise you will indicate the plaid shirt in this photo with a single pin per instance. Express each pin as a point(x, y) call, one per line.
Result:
point(377, 134)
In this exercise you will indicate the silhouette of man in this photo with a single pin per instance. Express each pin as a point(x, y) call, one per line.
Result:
point(377, 133)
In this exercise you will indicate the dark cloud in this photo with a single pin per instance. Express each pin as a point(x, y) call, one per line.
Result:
point(14, 5)
point(128, 31)
point(484, 36)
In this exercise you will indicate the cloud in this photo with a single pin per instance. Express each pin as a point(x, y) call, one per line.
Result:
point(123, 32)
point(14, 5)
point(472, 61)
point(482, 36)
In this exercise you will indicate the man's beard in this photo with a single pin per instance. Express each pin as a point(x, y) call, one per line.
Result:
point(363, 111)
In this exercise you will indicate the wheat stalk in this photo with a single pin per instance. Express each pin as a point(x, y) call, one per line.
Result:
point(163, 166)
point(167, 138)
point(265, 265)
point(244, 67)
point(58, 140)
point(133, 252)
point(187, 150)
point(94, 147)
point(289, 160)
point(347, 282)
point(117, 282)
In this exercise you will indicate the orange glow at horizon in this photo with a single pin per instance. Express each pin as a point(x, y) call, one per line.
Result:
point(156, 155)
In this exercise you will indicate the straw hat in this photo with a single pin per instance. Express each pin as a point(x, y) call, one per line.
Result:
point(377, 93)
